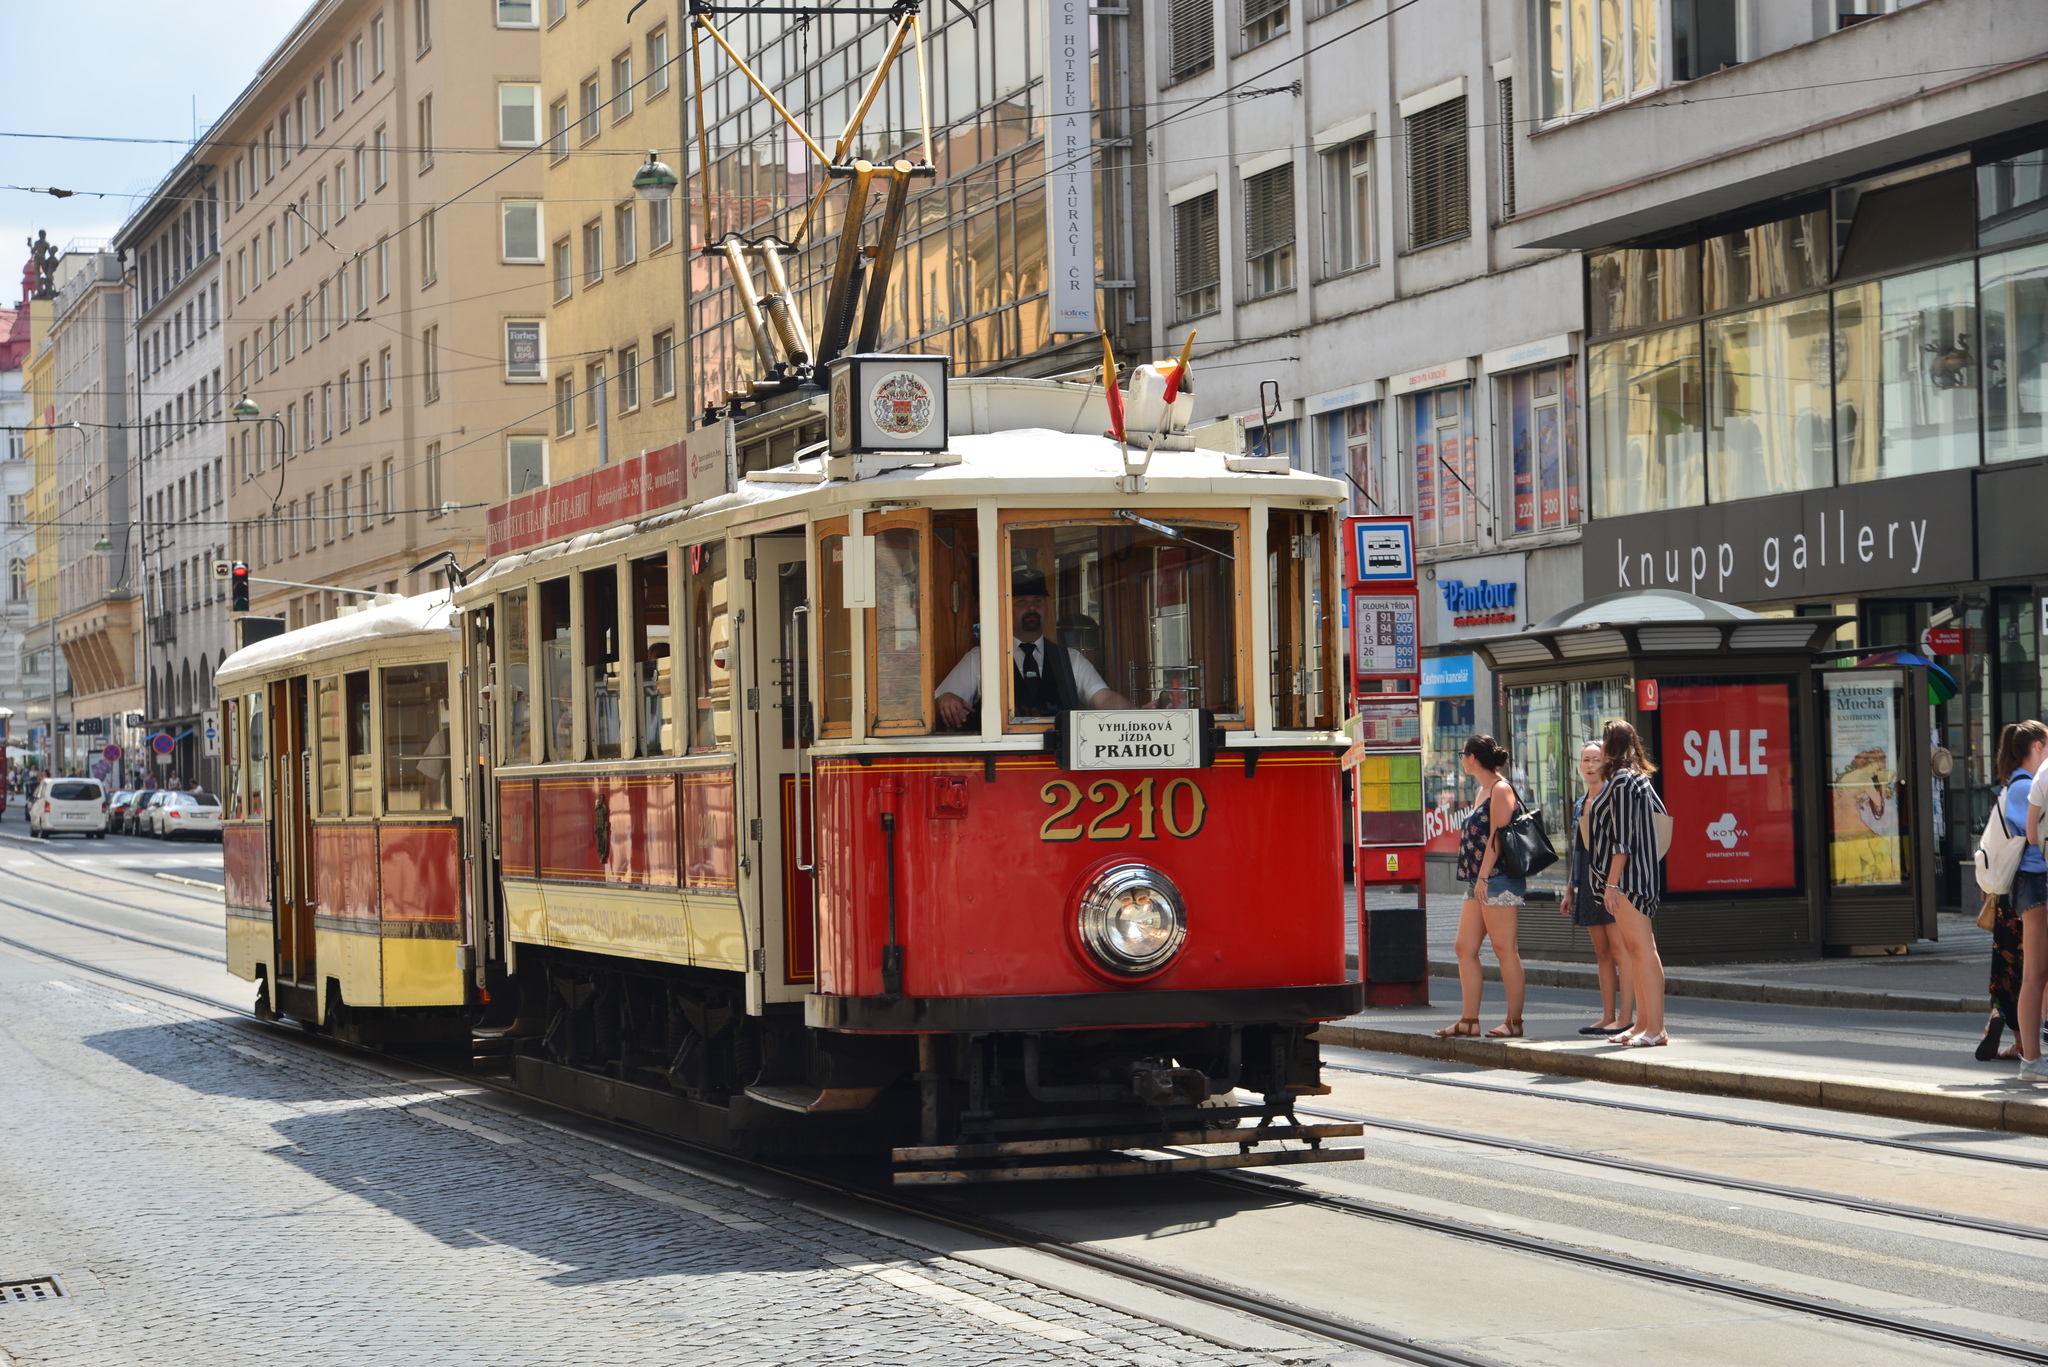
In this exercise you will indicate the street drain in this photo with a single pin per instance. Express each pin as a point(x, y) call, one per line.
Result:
point(28, 1292)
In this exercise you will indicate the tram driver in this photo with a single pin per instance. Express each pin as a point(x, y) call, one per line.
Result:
point(1046, 679)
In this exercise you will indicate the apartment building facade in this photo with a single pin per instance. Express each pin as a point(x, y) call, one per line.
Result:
point(171, 249)
point(17, 488)
point(372, 316)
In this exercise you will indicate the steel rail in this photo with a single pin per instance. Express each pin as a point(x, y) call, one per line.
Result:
point(1780, 1127)
point(89, 895)
point(1636, 1267)
point(117, 934)
point(1864, 1204)
point(151, 885)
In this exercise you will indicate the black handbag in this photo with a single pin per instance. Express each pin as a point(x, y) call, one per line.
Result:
point(1525, 848)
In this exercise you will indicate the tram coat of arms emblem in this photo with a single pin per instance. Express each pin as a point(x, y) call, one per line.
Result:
point(900, 405)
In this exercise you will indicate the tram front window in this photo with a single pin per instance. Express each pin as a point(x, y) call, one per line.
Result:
point(416, 765)
point(1145, 615)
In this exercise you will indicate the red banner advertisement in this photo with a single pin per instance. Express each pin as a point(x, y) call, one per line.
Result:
point(636, 486)
point(1728, 786)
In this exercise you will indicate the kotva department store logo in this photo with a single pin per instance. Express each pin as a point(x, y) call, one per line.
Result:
point(1725, 832)
point(1477, 605)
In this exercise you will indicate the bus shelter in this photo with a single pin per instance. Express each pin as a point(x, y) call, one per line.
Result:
point(1799, 785)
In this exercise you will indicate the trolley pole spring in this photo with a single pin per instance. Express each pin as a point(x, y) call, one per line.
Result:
point(892, 952)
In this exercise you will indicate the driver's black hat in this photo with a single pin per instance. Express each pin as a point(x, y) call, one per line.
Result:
point(1027, 584)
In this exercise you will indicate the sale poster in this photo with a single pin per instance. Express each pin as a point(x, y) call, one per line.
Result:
point(1864, 845)
point(1728, 786)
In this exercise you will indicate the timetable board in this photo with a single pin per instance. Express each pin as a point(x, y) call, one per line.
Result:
point(1385, 634)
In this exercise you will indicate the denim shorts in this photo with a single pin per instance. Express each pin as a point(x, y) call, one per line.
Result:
point(2029, 890)
point(1501, 891)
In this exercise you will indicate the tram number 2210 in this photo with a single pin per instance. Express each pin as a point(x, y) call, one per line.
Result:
point(1179, 807)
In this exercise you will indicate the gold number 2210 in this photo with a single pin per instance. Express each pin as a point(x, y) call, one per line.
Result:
point(1154, 809)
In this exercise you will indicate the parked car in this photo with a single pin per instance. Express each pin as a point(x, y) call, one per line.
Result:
point(69, 806)
point(189, 816)
point(133, 822)
point(118, 807)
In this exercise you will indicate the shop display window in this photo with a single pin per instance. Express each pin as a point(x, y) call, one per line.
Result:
point(2012, 303)
point(1906, 401)
point(1769, 396)
point(1542, 421)
point(1447, 791)
point(1644, 419)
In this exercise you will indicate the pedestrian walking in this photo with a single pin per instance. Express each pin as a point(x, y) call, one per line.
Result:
point(1492, 900)
point(1627, 872)
point(2021, 751)
point(1617, 991)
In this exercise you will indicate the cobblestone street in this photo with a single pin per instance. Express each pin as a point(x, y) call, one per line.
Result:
point(207, 1197)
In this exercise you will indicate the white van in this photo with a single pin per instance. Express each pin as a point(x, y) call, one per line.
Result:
point(68, 806)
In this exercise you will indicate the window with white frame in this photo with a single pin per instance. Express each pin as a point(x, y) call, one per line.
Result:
point(518, 115)
point(1269, 231)
point(563, 269)
point(1197, 270)
point(657, 62)
point(517, 14)
point(593, 252)
point(629, 378)
point(625, 231)
point(426, 127)
point(661, 230)
point(422, 26)
point(592, 99)
point(1261, 21)
point(526, 464)
point(522, 230)
point(558, 129)
point(622, 85)
point(523, 359)
point(1591, 55)
point(1538, 410)
point(377, 47)
point(557, 10)
point(664, 365)
point(565, 405)
point(1347, 206)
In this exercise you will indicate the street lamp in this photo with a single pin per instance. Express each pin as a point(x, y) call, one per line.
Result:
point(654, 180)
point(246, 409)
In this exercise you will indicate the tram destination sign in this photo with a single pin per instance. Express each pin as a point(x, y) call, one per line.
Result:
point(1141, 738)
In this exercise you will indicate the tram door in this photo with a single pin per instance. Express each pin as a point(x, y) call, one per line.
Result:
point(292, 832)
point(778, 781)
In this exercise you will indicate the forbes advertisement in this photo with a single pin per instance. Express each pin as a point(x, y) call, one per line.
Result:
point(1727, 751)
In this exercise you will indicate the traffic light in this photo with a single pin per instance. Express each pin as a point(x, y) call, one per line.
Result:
point(239, 577)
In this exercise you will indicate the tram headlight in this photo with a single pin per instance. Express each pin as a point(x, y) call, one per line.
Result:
point(1132, 919)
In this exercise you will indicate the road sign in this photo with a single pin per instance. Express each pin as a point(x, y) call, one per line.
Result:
point(163, 743)
point(223, 568)
point(209, 732)
point(92, 726)
point(112, 754)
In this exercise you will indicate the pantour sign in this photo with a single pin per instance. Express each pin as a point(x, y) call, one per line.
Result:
point(1728, 786)
point(1070, 167)
point(631, 488)
point(1140, 739)
point(1890, 533)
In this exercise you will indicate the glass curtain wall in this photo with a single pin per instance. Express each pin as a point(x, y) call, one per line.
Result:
point(970, 275)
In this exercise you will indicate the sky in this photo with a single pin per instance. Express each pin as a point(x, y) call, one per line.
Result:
point(129, 69)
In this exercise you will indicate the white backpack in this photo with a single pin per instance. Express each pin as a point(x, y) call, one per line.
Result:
point(1998, 851)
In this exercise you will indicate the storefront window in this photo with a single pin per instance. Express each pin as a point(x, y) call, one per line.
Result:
point(1350, 438)
point(1639, 287)
point(1644, 418)
point(1542, 412)
point(1769, 392)
point(1905, 350)
point(1446, 466)
point(2012, 199)
point(2013, 301)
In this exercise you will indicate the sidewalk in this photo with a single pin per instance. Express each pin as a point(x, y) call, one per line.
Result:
point(1945, 975)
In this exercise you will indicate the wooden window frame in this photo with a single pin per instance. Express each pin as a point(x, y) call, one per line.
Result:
point(1237, 519)
point(920, 521)
point(821, 530)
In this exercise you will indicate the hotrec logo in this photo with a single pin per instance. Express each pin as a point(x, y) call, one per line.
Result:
point(1725, 832)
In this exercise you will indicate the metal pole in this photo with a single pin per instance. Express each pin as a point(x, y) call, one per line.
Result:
point(53, 695)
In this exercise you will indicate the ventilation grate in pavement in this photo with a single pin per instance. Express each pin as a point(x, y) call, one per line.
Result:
point(30, 1291)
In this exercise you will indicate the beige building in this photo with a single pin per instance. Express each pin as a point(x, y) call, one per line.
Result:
point(383, 275)
point(609, 94)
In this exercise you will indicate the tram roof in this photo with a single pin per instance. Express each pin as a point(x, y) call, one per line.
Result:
point(424, 614)
point(1022, 465)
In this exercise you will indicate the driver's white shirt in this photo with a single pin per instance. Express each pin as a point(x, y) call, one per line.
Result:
point(965, 680)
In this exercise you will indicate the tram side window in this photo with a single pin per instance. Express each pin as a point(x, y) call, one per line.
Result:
point(557, 688)
point(259, 752)
point(327, 715)
point(835, 634)
point(710, 649)
point(416, 765)
point(238, 749)
point(1300, 591)
point(1147, 614)
point(361, 754)
point(515, 713)
point(653, 657)
point(601, 660)
point(896, 688)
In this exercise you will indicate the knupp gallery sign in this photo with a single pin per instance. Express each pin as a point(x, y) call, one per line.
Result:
point(1889, 534)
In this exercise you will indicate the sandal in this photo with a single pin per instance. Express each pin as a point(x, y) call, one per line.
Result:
point(1987, 1048)
point(1462, 1028)
point(1655, 1041)
point(1510, 1029)
point(1624, 1037)
point(1623, 1026)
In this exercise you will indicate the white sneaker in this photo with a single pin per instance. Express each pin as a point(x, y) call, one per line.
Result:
point(2035, 1070)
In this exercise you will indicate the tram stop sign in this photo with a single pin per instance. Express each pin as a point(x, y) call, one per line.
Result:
point(163, 743)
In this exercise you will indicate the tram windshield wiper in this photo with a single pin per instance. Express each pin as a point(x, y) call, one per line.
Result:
point(1170, 533)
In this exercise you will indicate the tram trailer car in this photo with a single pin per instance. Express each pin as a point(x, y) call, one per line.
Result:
point(760, 848)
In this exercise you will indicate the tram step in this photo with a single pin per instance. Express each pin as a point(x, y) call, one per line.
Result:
point(1005, 1162)
point(810, 1100)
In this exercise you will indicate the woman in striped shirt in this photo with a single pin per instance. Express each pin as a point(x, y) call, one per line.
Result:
point(1626, 872)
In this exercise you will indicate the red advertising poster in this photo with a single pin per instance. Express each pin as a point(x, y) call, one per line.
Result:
point(1728, 786)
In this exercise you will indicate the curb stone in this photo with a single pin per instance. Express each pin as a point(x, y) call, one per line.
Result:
point(2019, 1114)
point(1740, 990)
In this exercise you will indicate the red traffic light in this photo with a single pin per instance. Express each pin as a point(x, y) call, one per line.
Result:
point(238, 578)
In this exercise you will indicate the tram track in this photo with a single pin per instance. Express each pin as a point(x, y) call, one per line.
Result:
point(117, 878)
point(1191, 1286)
point(1640, 1108)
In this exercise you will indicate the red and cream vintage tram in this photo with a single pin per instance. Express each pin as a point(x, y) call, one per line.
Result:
point(725, 820)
